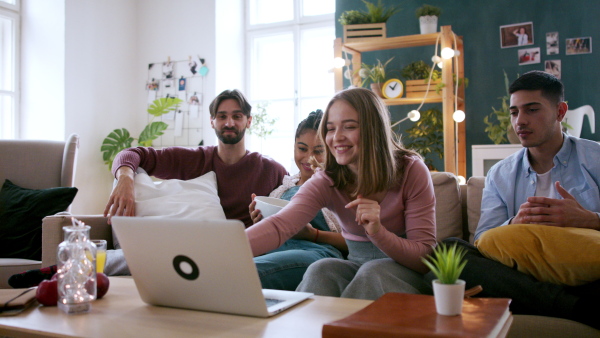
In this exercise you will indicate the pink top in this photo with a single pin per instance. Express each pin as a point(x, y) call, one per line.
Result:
point(407, 210)
point(236, 182)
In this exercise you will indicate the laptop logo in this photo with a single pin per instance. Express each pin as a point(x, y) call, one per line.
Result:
point(186, 267)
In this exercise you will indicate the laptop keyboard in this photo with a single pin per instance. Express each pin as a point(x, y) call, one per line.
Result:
point(272, 301)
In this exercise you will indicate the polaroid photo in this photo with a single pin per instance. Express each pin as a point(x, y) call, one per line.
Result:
point(552, 43)
point(553, 67)
point(579, 46)
point(515, 35)
point(529, 56)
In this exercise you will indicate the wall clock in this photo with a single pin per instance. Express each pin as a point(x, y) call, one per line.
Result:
point(392, 89)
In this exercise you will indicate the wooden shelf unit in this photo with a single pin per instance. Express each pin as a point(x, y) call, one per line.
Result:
point(454, 133)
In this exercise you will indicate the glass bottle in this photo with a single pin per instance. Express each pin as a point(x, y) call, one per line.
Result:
point(76, 270)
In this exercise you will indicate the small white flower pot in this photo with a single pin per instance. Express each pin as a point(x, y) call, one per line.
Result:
point(428, 24)
point(449, 297)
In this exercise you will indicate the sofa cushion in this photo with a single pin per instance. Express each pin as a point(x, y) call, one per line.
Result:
point(550, 254)
point(21, 214)
point(448, 211)
point(195, 198)
point(475, 186)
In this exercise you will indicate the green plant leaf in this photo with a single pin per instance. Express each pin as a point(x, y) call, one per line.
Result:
point(116, 141)
point(446, 262)
point(151, 132)
point(163, 105)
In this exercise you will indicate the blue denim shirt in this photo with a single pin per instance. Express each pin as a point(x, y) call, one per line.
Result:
point(511, 181)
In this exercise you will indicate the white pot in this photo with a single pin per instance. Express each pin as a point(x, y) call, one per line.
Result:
point(428, 24)
point(449, 297)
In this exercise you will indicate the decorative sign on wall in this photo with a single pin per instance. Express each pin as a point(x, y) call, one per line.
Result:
point(183, 79)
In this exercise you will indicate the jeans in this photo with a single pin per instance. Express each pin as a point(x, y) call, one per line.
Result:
point(284, 267)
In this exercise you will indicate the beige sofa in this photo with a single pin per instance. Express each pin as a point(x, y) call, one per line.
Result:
point(457, 215)
point(35, 164)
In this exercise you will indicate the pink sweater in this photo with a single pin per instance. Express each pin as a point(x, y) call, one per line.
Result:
point(407, 210)
point(236, 182)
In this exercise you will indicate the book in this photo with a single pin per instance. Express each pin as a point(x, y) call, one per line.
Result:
point(14, 301)
point(408, 315)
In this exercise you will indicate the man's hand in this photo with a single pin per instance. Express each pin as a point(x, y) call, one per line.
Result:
point(122, 198)
point(254, 213)
point(367, 214)
point(566, 212)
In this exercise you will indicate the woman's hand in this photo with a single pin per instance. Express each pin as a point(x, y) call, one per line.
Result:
point(254, 213)
point(122, 199)
point(307, 233)
point(367, 214)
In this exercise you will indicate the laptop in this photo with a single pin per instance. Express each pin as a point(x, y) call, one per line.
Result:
point(202, 265)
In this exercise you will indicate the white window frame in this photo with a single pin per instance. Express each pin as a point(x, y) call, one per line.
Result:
point(294, 26)
point(13, 11)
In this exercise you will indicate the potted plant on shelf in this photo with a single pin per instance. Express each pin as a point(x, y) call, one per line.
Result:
point(361, 25)
point(426, 136)
point(120, 139)
point(417, 79)
point(446, 264)
point(374, 75)
point(428, 18)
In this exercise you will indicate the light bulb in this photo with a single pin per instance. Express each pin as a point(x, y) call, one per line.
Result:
point(339, 62)
point(348, 74)
point(461, 180)
point(363, 73)
point(458, 116)
point(414, 115)
point(447, 53)
point(436, 59)
point(440, 65)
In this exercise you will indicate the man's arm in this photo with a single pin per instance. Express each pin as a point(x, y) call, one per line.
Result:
point(122, 201)
point(494, 211)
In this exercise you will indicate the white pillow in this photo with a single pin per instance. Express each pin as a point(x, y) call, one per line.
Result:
point(196, 198)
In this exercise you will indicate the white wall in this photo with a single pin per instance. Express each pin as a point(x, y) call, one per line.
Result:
point(42, 70)
point(85, 65)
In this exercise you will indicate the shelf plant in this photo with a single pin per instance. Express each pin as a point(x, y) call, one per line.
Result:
point(428, 10)
point(376, 13)
point(262, 124)
point(426, 136)
point(373, 73)
point(447, 262)
point(120, 139)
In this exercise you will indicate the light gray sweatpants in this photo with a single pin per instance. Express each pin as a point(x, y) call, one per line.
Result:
point(367, 274)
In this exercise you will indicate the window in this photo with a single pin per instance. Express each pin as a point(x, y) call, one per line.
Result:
point(9, 56)
point(290, 56)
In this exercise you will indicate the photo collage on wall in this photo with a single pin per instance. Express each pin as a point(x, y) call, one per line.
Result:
point(184, 80)
point(521, 34)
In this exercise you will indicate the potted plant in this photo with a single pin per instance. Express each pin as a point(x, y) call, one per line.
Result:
point(426, 136)
point(446, 264)
point(417, 75)
point(361, 25)
point(120, 139)
point(375, 75)
point(428, 18)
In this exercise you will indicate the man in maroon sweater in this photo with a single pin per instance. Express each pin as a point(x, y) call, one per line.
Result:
point(240, 173)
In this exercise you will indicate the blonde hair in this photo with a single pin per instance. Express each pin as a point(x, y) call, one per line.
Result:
point(381, 161)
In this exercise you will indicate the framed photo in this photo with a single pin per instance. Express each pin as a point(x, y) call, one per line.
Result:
point(529, 56)
point(518, 34)
point(579, 46)
point(553, 67)
point(552, 43)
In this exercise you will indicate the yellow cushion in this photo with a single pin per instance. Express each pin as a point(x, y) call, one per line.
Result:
point(568, 256)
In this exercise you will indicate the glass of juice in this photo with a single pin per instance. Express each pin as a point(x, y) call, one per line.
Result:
point(100, 254)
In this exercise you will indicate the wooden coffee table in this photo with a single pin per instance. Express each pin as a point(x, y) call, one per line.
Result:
point(122, 313)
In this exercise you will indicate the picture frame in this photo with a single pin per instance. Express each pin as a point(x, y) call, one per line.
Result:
point(581, 45)
point(528, 56)
point(552, 44)
point(553, 67)
point(516, 35)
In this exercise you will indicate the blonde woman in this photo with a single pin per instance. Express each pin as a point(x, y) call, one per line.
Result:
point(382, 196)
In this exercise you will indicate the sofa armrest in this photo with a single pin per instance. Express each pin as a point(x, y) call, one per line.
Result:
point(53, 235)
point(475, 186)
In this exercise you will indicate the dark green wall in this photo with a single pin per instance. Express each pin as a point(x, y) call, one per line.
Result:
point(478, 22)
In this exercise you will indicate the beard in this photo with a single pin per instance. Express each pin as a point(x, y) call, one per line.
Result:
point(230, 139)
